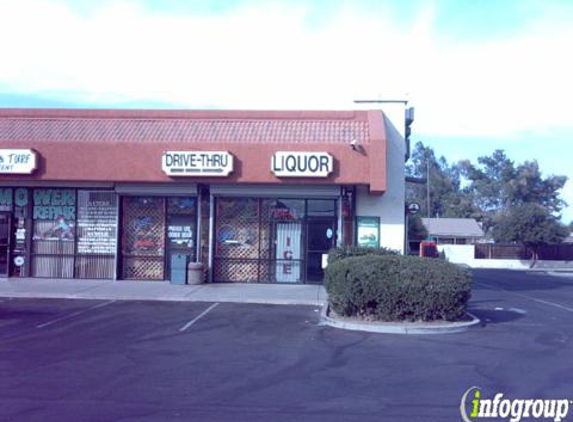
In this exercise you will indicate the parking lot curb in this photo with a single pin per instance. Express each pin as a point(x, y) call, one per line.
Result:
point(398, 327)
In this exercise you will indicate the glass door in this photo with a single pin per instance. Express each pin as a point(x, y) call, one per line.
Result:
point(321, 236)
point(181, 232)
point(321, 226)
point(4, 244)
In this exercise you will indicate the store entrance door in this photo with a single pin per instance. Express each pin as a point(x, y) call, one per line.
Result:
point(143, 240)
point(4, 244)
point(321, 236)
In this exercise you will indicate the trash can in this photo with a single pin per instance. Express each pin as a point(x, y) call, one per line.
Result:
point(179, 268)
point(195, 273)
point(429, 249)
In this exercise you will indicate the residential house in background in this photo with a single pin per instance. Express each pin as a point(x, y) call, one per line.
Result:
point(456, 231)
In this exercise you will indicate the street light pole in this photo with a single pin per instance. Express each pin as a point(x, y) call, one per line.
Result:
point(428, 188)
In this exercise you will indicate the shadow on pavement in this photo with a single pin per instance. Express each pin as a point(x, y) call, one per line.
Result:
point(518, 281)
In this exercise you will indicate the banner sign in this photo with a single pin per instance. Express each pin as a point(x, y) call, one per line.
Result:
point(17, 161)
point(301, 164)
point(368, 233)
point(197, 163)
point(288, 266)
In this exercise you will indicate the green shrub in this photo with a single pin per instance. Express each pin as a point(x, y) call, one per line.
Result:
point(344, 252)
point(397, 288)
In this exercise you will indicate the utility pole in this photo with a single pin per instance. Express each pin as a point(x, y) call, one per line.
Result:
point(428, 187)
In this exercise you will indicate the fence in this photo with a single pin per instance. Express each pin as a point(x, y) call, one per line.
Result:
point(563, 252)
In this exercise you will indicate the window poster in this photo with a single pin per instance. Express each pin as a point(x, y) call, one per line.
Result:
point(368, 231)
point(180, 235)
point(54, 214)
point(97, 222)
point(289, 252)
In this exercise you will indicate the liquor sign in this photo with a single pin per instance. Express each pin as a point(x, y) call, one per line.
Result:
point(301, 164)
point(197, 163)
point(17, 161)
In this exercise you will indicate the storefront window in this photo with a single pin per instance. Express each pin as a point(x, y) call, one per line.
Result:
point(270, 239)
point(154, 228)
point(287, 209)
point(143, 237)
point(238, 240)
point(96, 234)
point(53, 242)
point(74, 233)
point(321, 207)
point(4, 243)
point(6, 199)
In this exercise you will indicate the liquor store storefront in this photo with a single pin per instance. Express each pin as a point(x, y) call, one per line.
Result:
point(256, 197)
point(280, 240)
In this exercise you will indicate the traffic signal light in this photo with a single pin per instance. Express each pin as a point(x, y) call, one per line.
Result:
point(408, 130)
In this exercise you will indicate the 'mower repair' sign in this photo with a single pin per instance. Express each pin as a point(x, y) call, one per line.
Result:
point(301, 164)
point(197, 163)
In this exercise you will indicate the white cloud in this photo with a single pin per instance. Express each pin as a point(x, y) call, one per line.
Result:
point(270, 57)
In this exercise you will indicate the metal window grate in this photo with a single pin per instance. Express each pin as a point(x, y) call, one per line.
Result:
point(246, 234)
point(143, 238)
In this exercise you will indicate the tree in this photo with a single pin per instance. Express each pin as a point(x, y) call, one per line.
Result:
point(446, 198)
point(530, 187)
point(416, 229)
point(497, 185)
point(489, 182)
point(529, 224)
point(491, 191)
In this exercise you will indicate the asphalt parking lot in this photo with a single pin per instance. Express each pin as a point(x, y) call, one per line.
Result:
point(76, 360)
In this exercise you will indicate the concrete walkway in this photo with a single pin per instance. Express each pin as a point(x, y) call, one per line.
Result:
point(276, 294)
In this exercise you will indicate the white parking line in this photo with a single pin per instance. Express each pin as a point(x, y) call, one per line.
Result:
point(550, 303)
point(74, 314)
point(545, 302)
point(197, 318)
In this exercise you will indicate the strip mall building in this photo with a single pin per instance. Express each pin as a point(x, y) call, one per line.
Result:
point(257, 196)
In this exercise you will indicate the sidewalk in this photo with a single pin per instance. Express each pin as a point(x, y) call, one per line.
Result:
point(275, 294)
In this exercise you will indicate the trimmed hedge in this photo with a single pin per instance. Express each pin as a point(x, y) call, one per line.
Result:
point(336, 254)
point(397, 288)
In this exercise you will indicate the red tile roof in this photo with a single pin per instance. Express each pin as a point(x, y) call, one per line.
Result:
point(76, 125)
point(94, 145)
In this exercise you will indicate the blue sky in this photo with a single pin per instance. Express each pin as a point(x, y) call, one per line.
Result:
point(481, 74)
